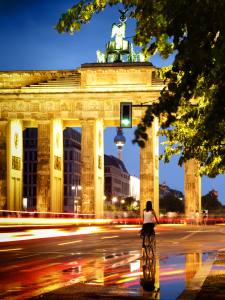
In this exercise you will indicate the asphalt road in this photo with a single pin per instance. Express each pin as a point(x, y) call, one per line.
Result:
point(46, 260)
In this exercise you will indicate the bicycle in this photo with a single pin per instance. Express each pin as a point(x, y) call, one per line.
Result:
point(149, 243)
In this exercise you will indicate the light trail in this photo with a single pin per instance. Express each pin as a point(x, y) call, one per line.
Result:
point(172, 272)
point(45, 233)
point(109, 237)
point(70, 243)
point(52, 221)
point(133, 229)
point(16, 249)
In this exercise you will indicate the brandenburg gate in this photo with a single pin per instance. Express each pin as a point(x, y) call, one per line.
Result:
point(88, 97)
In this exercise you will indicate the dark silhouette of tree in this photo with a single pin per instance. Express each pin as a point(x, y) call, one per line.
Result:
point(210, 202)
point(171, 203)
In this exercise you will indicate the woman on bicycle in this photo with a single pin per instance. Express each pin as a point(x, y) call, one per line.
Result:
point(148, 224)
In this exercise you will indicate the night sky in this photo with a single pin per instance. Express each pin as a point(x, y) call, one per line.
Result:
point(29, 42)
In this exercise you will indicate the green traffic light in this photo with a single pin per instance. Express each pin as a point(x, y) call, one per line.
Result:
point(125, 122)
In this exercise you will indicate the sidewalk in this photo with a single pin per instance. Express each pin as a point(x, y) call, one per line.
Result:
point(207, 284)
point(214, 284)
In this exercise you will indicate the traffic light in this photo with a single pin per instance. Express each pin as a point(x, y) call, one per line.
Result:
point(126, 114)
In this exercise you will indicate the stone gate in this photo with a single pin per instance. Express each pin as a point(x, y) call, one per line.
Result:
point(88, 97)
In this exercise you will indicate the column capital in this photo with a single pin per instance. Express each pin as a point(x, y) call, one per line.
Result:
point(43, 121)
point(4, 122)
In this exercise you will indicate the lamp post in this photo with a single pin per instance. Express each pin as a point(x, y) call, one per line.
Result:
point(114, 199)
point(76, 186)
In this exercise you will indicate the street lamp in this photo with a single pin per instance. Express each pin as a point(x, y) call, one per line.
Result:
point(76, 204)
point(76, 186)
point(122, 201)
point(104, 197)
point(114, 199)
point(135, 203)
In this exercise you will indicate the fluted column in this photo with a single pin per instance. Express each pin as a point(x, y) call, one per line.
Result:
point(3, 164)
point(192, 187)
point(92, 167)
point(11, 164)
point(43, 166)
point(50, 166)
point(149, 173)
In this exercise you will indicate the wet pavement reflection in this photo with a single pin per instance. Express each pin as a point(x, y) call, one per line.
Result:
point(163, 278)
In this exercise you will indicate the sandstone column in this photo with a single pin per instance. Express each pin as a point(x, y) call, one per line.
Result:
point(11, 165)
point(43, 166)
point(192, 187)
point(92, 168)
point(3, 164)
point(50, 166)
point(193, 262)
point(56, 166)
point(149, 173)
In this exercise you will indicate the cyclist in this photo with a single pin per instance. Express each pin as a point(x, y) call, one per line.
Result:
point(148, 224)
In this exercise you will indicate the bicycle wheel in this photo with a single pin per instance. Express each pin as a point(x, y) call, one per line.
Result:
point(153, 244)
point(147, 245)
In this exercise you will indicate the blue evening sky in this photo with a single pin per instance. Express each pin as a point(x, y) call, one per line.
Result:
point(28, 42)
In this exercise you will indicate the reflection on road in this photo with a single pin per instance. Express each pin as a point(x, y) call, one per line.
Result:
point(160, 278)
point(155, 278)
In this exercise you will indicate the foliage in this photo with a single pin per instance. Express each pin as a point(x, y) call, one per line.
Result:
point(129, 201)
point(195, 32)
point(210, 202)
point(131, 208)
point(109, 207)
point(171, 204)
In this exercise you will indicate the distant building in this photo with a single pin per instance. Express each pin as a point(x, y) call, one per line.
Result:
point(163, 192)
point(116, 179)
point(72, 167)
point(119, 141)
point(166, 190)
point(72, 162)
point(214, 192)
point(135, 187)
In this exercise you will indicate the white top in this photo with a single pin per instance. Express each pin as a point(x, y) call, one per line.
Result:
point(191, 215)
point(147, 217)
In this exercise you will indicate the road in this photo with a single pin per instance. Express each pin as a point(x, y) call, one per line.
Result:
point(48, 259)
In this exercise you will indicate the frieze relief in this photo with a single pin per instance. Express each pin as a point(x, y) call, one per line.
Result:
point(57, 163)
point(64, 106)
point(16, 162)
point(6, 106)
point(21, 106)
point(99, 162)
point(156, 162)
point(49, 106)
point(100, 139)
point(108, 105)
point(34, 106)
point(79, 105)
point(92, 105)
point(16, 139)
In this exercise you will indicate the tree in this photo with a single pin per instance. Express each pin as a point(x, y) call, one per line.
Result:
point(171, 204)
point(109, 207)
point(210, 202)
point(195, 31)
